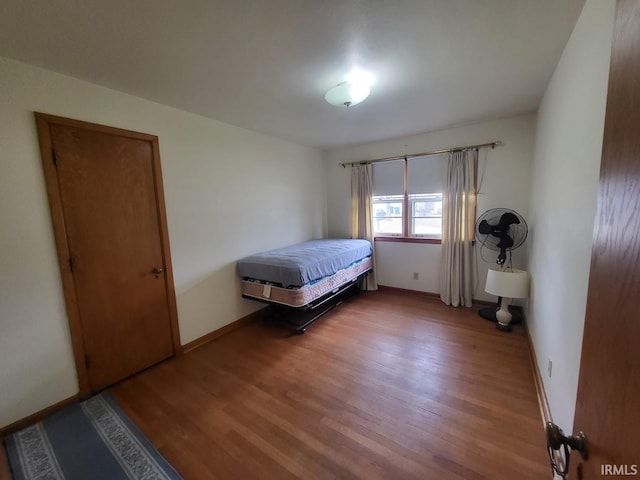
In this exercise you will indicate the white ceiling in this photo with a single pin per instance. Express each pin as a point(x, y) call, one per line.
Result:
point(265, 65)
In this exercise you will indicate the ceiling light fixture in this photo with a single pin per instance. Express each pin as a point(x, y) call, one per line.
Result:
point(348, 93)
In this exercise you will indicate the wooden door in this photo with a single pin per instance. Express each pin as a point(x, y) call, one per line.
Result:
point(608, 402)
point(105, 194)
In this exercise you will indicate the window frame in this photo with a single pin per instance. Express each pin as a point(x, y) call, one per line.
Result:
point(407, 216)
point(390, 200)
point(413, 199)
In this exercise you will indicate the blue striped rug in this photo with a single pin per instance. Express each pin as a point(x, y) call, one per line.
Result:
point(91, 440)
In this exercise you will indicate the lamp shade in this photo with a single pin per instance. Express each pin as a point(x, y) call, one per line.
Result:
point(507, 283)
point(347, 94)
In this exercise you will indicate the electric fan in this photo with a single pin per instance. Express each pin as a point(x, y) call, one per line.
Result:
point(501, 230)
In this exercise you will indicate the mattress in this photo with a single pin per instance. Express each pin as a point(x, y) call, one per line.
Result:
point(299, 297)
point(303, 263)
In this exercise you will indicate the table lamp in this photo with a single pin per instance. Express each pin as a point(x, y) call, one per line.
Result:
point(506, 283)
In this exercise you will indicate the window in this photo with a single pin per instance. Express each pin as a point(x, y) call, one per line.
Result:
point(426, 214)
point(413, 186)
point(387, 214)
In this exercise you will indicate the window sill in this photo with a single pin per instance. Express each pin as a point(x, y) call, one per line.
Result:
point(434, 241)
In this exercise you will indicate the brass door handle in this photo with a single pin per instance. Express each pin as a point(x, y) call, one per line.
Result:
point(157, 272)
point(559, 445)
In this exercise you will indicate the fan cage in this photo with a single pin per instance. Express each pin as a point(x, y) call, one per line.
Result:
point(517, 231)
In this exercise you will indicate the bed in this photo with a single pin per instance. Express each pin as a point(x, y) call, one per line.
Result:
point(306, 276)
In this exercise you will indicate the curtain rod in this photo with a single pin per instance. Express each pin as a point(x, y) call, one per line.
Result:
point(495, 144)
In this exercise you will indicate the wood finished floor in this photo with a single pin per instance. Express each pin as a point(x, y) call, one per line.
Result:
point(387, 386)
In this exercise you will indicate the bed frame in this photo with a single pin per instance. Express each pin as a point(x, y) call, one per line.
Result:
point(299, 318)
point(304, 281)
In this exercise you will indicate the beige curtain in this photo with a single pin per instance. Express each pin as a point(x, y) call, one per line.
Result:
point(362, 212)
point(458, 223)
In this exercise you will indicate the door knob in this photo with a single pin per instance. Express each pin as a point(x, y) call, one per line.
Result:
point(157, 272)
point(557, 441)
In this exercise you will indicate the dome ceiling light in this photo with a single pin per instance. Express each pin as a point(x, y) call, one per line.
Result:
point(348, 93)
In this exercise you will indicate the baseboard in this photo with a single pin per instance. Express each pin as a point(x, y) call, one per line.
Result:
point(209, 337)
point(484, 303)
point(36, 417)
point(543, 403)
point(420, 293)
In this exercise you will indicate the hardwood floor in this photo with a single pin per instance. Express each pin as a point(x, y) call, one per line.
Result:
point(387, 386)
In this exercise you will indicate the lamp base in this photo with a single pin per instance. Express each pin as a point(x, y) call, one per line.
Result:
point(504, 327)
point(489, 313)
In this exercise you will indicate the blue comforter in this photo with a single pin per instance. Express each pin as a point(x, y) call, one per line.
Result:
point(305, 262)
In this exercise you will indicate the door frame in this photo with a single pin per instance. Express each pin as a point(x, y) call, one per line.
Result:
point(43, 123)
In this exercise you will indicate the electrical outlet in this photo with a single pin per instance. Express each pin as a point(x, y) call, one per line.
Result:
point(549, 367)
point(415, 275)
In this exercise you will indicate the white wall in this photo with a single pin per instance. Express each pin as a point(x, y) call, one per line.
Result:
point(229, 192)
point(563, 203)
point(505, 173)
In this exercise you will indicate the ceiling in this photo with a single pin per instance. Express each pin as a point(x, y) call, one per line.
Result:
point(265, 65)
